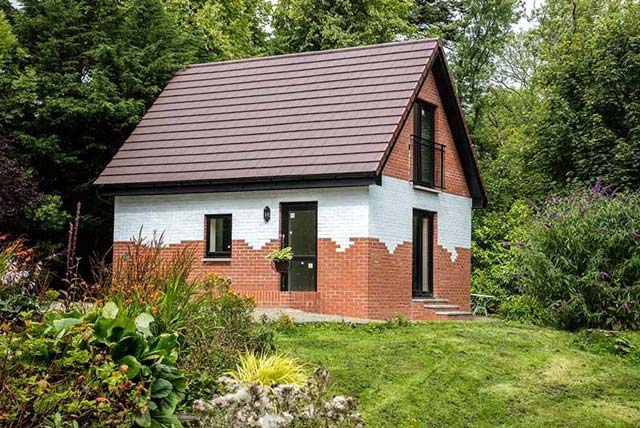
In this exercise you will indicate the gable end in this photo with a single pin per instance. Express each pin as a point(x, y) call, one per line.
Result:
point(455, 118)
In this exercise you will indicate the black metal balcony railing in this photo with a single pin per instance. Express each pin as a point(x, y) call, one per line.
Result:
point(428, 163)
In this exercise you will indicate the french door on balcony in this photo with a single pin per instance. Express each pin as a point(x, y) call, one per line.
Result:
point(300, 232)
point(422, 253)
point(424, 155)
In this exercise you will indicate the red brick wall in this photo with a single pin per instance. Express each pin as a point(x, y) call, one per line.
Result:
point(343, 277)
point(452, 280)
point(390, 280)
point(249, 270)
point(400, 162)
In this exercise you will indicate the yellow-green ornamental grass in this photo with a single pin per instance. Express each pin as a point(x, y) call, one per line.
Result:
point(267, 370)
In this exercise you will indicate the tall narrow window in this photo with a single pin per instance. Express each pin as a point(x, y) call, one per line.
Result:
point(422, 253)
point(424, 154)
point(219, 235)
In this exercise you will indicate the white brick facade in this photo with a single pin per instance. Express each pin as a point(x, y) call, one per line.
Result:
point(342, 214)
point(391, 214)
point(382, 212)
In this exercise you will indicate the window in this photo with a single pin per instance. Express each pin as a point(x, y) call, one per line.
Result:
point(424, 153)
point(219, 235)
point(422, 253)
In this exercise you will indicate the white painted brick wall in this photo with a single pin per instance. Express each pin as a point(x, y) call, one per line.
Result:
point(342, 214)
point(382, 212)
point(391, 214)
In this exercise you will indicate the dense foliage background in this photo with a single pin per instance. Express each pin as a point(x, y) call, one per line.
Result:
point(552, 103)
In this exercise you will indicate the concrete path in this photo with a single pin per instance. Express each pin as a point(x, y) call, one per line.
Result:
point(302, 317)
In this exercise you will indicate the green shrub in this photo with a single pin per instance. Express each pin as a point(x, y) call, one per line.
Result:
point(268, 370)
point(146, 279)
point(522, 308)
point(581, 260)
point(102, 368)
point(223, 329)
point(283, 324)
point(495, 236)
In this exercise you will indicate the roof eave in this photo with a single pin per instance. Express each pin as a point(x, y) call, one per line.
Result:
point(239, 185)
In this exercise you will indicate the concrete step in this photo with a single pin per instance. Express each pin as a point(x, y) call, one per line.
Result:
point(428, 300)
point(441, 306)
point(454, 314)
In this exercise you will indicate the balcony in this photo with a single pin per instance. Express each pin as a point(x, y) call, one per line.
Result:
point(428, 163)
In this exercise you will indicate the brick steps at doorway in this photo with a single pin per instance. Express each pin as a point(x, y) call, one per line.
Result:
point(441, 306)
point(430, 300)
point(437, 308)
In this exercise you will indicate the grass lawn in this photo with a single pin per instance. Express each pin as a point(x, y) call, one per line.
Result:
point(482, 374)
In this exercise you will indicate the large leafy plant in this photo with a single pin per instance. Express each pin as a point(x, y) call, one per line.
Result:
point(102, 368)
point(580, 261)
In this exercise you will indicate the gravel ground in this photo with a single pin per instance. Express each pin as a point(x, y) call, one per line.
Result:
point(302, 317)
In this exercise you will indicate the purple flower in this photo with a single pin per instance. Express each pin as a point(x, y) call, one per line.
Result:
point(604, 276)
point(597, 186)
point(634, 233)
point(626, 305)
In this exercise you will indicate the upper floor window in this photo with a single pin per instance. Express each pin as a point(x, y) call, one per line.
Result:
point(428, 167)
point(218, 235)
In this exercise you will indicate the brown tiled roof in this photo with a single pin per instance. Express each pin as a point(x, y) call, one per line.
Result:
point(318, 114)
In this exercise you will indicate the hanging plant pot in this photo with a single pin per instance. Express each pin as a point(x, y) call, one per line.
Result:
point(280, 266)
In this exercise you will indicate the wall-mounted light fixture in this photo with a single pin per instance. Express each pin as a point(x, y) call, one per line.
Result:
point(266, 214)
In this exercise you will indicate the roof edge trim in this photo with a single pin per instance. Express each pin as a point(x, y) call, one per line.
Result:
point(218, 186)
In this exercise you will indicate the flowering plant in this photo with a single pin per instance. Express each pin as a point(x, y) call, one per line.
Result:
point(278, 406)
point(15, 259)
point(23, 282)
point(580, 262)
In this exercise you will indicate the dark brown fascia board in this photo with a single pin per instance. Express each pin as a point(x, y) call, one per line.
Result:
point(448, 95)
point(261, 184)
point(461, 137)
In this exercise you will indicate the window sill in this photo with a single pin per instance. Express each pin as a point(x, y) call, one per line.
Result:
point(427, 189)
point(216, 259)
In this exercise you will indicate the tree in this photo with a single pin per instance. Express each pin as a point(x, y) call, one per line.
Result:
point(80, 74)
point(307, 25)
point(485, 29)
point(226, 29)
point(19, 191)
point(437, 18)
point(79, 82)
point(7, 38)
point(589, 83)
